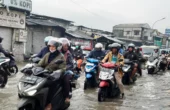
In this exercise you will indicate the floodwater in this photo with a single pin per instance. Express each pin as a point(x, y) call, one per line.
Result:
point(150, 92)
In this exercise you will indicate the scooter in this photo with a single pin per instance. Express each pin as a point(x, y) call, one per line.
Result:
point(11, 68)
point(90, 73)
point(108, 87)
point(37, 90)
point(156, 65)
point(127, 70)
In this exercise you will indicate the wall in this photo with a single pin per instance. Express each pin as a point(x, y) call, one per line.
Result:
point(117, 31)
point(36, 35)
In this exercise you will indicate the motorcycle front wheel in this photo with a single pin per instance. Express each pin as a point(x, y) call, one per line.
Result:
point(13, 70)
point(101, 95)
point(3, 79)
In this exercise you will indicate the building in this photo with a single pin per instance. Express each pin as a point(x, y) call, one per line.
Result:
point(76, 34)
point(136, 33)
point(12, 21)
point(40, 26)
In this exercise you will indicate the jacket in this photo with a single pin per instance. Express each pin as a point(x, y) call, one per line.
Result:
point(3, 51)
point(108, 58)
point(131, 56)
point(95, 54)
point(78, 52)
point(42, 53)
point(52, 66)
point(69, 60)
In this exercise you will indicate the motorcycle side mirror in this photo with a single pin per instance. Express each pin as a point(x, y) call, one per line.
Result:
point(59, 61)
point(120, 60)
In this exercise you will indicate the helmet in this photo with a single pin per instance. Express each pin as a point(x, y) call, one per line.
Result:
point(56, 43)
point(99, 45)
point(47, 38)
point(115, 45)
point(131, 45)
point(163, 52)
point(64, 41)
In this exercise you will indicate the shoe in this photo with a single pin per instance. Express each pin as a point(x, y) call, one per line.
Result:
point(48, 107)
point(67, 101)
point(122, 95)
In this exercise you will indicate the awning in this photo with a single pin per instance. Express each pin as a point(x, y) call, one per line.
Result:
point(78, 34)
point(106, 38)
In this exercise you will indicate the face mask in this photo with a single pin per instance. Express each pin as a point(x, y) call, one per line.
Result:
point(52, 51)
point(77, 47)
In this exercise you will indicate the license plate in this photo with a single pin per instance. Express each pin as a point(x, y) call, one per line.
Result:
point(107, 70)
point(29, 79)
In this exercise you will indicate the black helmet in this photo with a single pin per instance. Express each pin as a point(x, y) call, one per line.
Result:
point(56, 43)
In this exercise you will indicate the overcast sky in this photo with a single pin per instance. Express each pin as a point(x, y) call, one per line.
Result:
point(104, 14)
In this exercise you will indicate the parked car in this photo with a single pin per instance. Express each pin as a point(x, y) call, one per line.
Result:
point(148, 51)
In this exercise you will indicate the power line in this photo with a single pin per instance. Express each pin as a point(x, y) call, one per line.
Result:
point(95, 14)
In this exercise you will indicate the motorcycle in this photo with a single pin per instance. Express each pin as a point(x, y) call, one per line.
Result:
point(127, 70)
point(3, 72)
point(107, 86)
point(90, 73)
point(156, 65)
point(11, 68)
point(37, 90)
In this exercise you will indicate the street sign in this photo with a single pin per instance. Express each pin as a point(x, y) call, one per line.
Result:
point(25, 5)
point(167, 31)
point(12, 19)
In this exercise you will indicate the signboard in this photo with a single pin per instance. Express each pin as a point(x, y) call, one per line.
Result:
point(12, 19)
point(20, 35)
point(167, 31)
point(19, 4)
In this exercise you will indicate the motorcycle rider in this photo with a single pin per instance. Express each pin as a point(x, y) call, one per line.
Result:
point(48, 62)
point(97, 52)
point(114, 56)
point(139, 64)
point(131, 55)
point(121, 49)
point(45, 50)
point(78, 55)
point(2, 50)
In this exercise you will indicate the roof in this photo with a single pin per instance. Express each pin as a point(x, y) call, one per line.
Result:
point(112, 39)
point(79, 34)
point(144, 25)
point(44, 16)
point(42, 22)
point(129, 39)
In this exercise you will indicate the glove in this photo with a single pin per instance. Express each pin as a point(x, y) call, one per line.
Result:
point(51, 78)
point(28, 71)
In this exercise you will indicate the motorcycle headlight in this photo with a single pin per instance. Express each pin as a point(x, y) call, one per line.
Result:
point(31, 93)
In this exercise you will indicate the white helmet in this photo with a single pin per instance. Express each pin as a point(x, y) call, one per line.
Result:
point(64, 41)
point(99, 45)
point(55, 41)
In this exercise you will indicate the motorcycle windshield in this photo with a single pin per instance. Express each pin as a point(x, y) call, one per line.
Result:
point(92, 60)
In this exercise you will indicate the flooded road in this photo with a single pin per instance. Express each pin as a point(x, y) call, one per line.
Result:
point(151, 92)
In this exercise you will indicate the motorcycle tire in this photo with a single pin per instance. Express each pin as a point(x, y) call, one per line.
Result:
point(85, 85)
point(3, 79)
point(14, 70)
point(101, 95)
point(150, 71)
